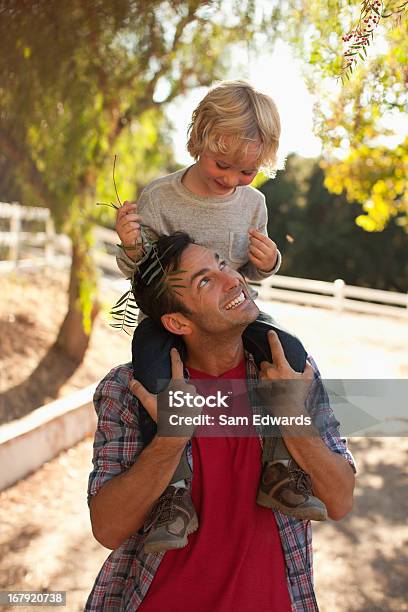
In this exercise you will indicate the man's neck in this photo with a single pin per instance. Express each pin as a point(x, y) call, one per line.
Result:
point(214, 356)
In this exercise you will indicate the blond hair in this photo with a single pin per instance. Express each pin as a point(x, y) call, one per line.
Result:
point(232, 117)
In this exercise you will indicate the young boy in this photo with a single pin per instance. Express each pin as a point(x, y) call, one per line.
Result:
point(234, 133)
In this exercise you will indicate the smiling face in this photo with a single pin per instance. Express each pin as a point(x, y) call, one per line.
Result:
point(216, 295)
point(218, 175)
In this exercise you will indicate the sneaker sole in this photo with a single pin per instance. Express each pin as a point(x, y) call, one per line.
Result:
point(307, 514)
point(164, 545)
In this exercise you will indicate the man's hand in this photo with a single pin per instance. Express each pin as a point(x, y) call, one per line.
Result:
point(177, 383)
point(263, 252)
point(128, 228)
point(280, 368)
point(287, 389)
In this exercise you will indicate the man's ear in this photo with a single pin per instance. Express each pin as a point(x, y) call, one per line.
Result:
point(176, 323)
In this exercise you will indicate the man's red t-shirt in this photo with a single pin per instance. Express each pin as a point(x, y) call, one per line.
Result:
point(234, 561)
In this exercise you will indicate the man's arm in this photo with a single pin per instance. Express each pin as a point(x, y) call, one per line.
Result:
point(128, 479)
point(331, 474)
point(121, 506)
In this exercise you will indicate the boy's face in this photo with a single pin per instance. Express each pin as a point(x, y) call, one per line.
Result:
point(219, 175)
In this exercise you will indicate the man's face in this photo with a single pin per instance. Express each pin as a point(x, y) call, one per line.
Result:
point(216, 295)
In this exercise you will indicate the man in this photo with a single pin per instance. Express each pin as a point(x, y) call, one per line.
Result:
point(243, 555)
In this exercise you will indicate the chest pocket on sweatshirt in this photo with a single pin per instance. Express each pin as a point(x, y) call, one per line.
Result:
point(238, 247)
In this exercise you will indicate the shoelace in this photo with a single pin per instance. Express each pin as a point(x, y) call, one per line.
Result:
point(302, 480)
point(164, 509)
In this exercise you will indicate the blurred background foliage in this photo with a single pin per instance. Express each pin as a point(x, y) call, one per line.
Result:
point(353, 119)
point(318, 237)
point(82, 81)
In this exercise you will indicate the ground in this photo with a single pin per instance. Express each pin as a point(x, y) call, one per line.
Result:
point(32, 373)
point(45, 537)
point(360, 562)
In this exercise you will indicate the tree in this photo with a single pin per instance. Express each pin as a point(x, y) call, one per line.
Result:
point(317, 235)
point(362, 154)
point(81, 79)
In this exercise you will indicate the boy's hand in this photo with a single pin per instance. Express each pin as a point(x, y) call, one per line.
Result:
point(263, 252)
point(128, 228)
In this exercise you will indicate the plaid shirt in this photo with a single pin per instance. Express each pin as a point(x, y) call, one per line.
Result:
point(127, 574)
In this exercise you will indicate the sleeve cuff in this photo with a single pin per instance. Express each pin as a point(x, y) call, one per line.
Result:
point(121, 256)
point(274, 269)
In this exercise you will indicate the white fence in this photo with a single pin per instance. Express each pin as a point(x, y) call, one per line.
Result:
point(336, 295)
point(106, 240)
point(25, 247)
point(42, 246)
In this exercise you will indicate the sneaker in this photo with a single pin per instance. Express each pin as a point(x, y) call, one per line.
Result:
point(287, 488)
point(172, 519)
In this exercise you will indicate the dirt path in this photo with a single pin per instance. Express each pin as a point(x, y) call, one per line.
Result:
point(360, 563)
point(348, 345)
point(32, 373)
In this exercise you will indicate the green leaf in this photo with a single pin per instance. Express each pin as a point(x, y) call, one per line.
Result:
point(165, 252)
point(162, 288)
point(158, 271)
point(111, 205)
point(129, 321)
point(114, 182)
point(152, 266)
point(123, 298)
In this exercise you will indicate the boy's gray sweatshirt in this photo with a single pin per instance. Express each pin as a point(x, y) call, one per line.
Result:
point(220, 224)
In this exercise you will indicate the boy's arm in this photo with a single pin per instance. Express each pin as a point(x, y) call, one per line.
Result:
point(126, 259)
point(127, 226)
point(127, 265)
point(250, 270)
point(264, 258)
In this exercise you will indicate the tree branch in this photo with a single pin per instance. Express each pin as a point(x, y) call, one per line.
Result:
point(20, 156)
point(93, 36)
point(143, 104)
